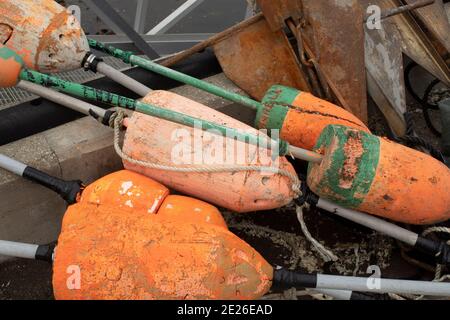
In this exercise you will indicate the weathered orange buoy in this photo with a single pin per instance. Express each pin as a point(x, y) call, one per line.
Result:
point(154, 140)
point(380, 177)
point(130, 240)
point(301, 117)
point(44, 33)
point(11, 66)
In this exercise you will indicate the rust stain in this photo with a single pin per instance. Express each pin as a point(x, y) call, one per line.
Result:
point(353, 151)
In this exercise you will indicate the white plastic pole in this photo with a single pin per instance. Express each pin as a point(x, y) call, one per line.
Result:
point(60, 98)
point(123, 79)
point(18, 250)
point(12, 165)
point(427, 288)
point(371, 222)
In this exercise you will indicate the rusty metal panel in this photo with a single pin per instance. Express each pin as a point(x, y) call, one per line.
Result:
point(435, 19)
point(334, 31)
point(416, 44)
point(256, 58)
point(385, 74)
point(277, 12)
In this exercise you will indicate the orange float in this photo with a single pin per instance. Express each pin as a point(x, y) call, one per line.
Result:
point(43, 33)
point(154, 140)
point(301, 117)
point(374, 175)
point(11, 66)
point(131, 240)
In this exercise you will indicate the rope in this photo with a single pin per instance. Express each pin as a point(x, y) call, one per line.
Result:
point(326, 254)
point(116, 122)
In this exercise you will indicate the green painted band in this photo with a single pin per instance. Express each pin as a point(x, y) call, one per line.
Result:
point(6, 54)
point(333, 139)
point(276, 104)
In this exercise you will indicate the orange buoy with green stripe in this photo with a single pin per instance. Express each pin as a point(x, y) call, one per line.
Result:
point(301, 117)
point(131, 240)
point(371, 174)
point(11, 65)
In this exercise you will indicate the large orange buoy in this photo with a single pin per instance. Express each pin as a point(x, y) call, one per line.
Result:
point(154, 140)
point(377, 176)
point(301, 117)
point(44, 33)
point(130, 240)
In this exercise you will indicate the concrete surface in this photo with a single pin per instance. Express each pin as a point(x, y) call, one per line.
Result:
point(82, 149)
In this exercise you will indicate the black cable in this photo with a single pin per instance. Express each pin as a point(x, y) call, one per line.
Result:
point(425, 105)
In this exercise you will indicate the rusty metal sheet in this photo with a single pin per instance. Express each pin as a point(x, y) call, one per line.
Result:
point(277, 12)
point(435, 19)
point(256, 58)
point(416, 44)
point(334, 32)
point(385, 74)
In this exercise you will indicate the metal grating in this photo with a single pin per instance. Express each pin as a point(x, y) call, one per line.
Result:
point(12, 96)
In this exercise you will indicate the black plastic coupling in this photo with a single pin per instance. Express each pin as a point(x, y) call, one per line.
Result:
point(106, 120)
point(439, 249)
point(286, 279)
point(45, 252)
point(90, 62)
point(68, 190)
point(308, 197)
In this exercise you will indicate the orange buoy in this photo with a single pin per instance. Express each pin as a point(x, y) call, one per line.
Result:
point(380, 177)
point(11, 66)
point(130, 240)
point(157, 141)
point(43, 33)
point(301, 117)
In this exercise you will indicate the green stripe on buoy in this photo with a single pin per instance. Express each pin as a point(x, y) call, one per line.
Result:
point(276, 102)
point(332, 184)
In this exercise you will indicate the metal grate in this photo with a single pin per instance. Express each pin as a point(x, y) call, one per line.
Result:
point(12, 96)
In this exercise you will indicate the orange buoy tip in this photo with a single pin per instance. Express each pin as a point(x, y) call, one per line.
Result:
point(11, 65)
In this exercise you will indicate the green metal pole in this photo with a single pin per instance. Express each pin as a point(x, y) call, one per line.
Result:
point(130, 104)
point(129, 58)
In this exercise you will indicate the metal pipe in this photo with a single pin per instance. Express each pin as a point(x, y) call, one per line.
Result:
point(149, 65)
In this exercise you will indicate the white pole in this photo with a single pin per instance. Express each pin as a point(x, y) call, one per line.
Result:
point(12, 165)
point(371, 222)
point(123, 79)
point(18, 250)
point(374, 285)
point(60, 98)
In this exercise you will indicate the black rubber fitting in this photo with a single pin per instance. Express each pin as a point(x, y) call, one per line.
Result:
point(90, 62)
point(68, 190)
point(439, 249)
point(287, 279)
point(45, 252)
